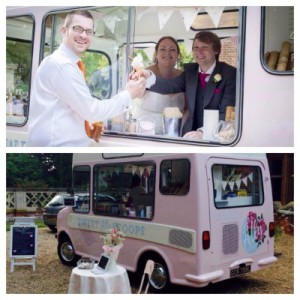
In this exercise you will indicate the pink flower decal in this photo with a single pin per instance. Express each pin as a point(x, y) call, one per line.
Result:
point(256, 227)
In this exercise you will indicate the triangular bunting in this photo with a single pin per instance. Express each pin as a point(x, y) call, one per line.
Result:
point(149, 52)
point(238, 184)
point(188, 16)
point(164, 13)
point(215, 13)
point(224, 184)
point(245, 180)
point(188, 46)
point(134, 169)
point(110, 22)
point(250, 176)
point(142, 10)
point(231, 185)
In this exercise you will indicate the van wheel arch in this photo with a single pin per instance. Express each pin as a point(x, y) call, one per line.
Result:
point(66, 251)
point(160, 265)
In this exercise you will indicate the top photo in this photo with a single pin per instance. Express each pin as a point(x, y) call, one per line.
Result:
point(150, 76)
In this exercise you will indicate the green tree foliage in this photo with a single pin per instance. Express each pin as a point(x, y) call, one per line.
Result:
point(184, 57)
point(18, 54)
point(35, 170)
point(94, 61)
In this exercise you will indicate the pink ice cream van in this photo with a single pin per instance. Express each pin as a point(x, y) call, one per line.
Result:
point(202, 218)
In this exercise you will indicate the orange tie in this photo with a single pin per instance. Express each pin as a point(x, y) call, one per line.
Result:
point(97, 130)
point(81, 67)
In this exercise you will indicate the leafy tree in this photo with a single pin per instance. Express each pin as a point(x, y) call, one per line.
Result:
point(39, 170)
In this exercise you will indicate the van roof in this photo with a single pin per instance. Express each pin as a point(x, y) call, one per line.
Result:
point(96, 157)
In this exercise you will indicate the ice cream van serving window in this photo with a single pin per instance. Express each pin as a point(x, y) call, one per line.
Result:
point(125, 190)
point(237, 185)
point(175, 177)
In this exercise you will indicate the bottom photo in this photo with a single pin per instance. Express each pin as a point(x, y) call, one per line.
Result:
point(138, 223)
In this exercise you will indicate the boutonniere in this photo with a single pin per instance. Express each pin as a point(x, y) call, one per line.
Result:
point(217, 78)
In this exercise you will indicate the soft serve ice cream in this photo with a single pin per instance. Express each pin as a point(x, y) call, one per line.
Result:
point(137, 64)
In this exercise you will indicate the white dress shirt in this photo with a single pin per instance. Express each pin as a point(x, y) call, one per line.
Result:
point(209, 71)
point(61, 101)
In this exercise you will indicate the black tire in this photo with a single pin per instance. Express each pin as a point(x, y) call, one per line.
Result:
point(160, 279)
point(66, 252)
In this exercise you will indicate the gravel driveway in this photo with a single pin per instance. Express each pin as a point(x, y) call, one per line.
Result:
point(52, 277)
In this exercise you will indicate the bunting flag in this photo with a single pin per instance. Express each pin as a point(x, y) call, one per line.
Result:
point(110, 22)
point(215, 13)
point(142, 10)
point(250, 176)
point(224, 185)
point(134, 169)
point(188, 16)
point(164, 14)
point(188, 46)
point(231, 183)
point(149, 52)
point(245, 180)
point(141, 170)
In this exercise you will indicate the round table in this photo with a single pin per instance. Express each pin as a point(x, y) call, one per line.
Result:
point(109, 282)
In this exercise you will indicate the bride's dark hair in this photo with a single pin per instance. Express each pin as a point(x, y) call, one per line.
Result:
point(158, 43)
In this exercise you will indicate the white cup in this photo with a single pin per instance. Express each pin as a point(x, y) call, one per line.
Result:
point(148, 212)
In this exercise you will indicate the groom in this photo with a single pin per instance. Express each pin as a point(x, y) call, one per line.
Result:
point(208, 83)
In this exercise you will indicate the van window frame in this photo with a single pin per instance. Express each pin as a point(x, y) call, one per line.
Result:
point(241, 31)
point(76, 209)
point(185, 192)
point(30, 67)
point(262, 47)
point(260, 184)
point(125, 216)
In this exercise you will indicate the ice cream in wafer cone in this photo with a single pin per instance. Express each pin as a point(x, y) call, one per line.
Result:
point(138, 65)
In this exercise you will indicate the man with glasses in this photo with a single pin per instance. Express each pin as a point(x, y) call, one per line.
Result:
point(60, 98)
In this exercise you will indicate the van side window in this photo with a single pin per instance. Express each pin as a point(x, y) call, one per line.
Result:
point(237, 185)
point(175, 177)
point(19, 41)
point(278, 43)
point(124, 190)
point(81, 185)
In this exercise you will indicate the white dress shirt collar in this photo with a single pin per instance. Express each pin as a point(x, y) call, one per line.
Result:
point(210, 70)
point(69, 53)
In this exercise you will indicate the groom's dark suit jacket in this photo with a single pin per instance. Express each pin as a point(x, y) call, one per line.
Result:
point(216, 95)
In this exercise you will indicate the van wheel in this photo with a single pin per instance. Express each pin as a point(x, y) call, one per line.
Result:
point(66, 252)
point(160, 280)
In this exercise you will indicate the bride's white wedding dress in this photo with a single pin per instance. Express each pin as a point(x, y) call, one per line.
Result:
point(153, 104)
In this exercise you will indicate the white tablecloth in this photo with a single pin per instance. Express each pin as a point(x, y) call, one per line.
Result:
point(110, 282)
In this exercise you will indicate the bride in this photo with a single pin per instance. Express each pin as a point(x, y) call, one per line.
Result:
point(152, 104)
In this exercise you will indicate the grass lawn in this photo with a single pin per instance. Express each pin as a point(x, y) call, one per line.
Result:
point(38, 223)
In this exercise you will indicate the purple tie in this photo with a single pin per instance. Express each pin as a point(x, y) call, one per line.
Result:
point(202, 81)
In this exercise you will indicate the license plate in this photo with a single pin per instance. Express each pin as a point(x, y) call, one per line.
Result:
point(240, 270)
